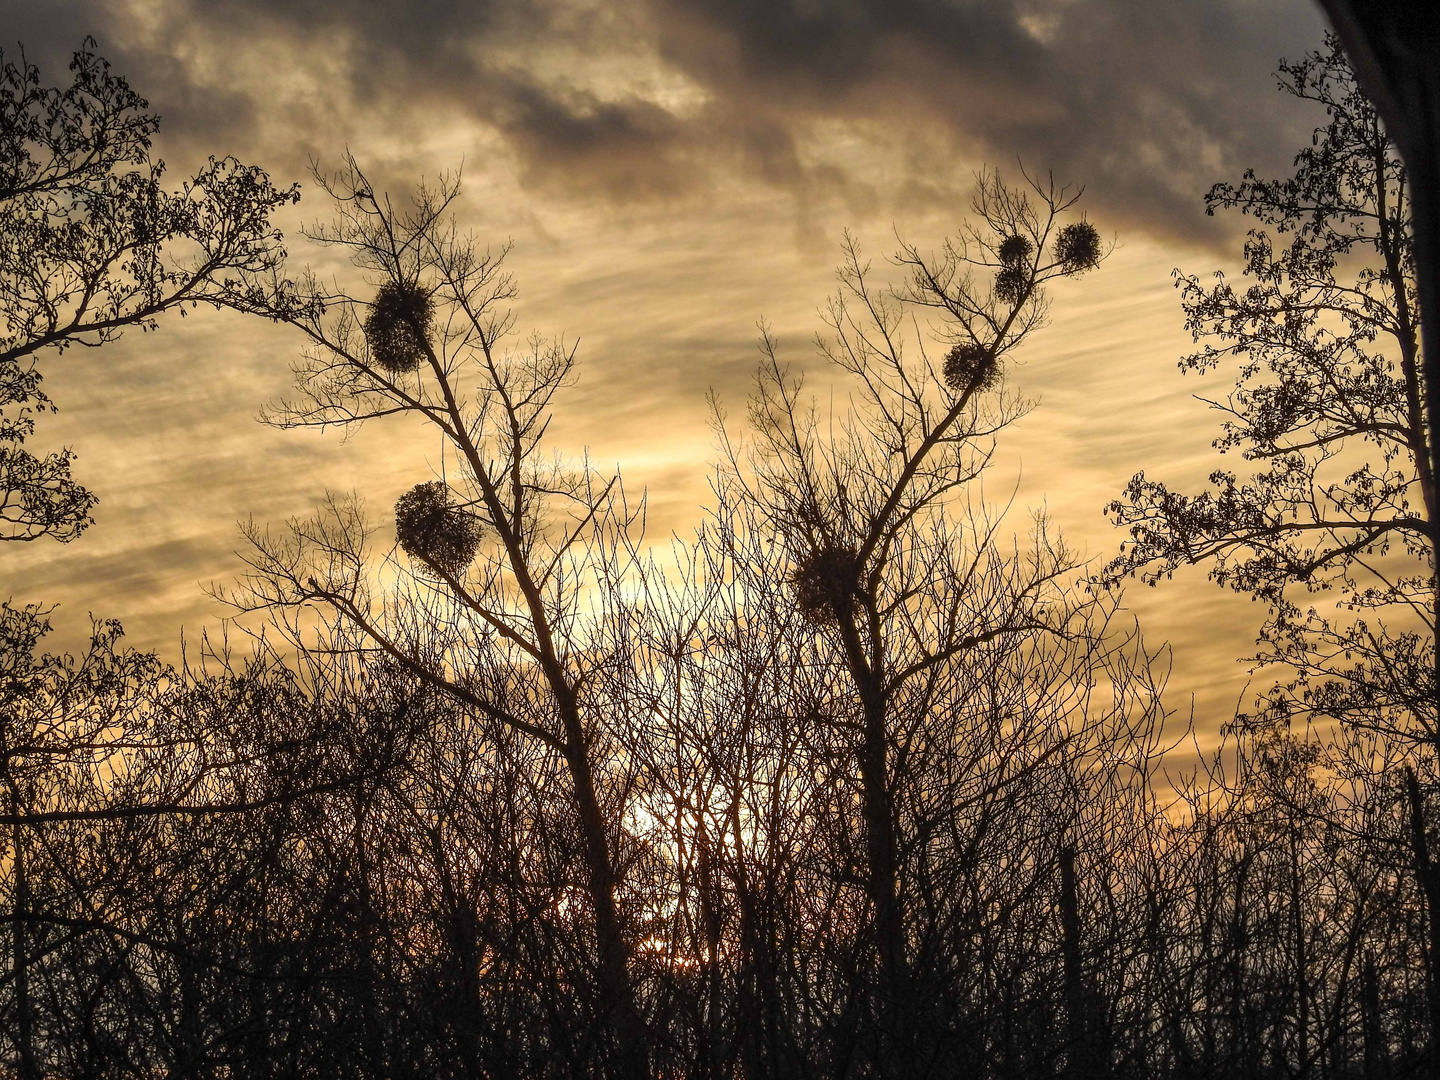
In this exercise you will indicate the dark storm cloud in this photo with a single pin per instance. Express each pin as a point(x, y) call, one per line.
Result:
point(1147, 102)
point(632, 149)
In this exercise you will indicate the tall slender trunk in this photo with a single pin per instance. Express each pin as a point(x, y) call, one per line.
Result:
point(1085, 1055)
point(1243, 1060)
point(896, 1006)
point(757, 995)
point(27, 1067)
point(617, 994)
point(1376, 1060)
point(469, 1003)
point(617, 1002)
point(1302, 959)
point(372, 1038)
point(714, 1054)
point(1427, 876)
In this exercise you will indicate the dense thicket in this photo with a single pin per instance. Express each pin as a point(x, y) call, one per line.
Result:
point(855, 783)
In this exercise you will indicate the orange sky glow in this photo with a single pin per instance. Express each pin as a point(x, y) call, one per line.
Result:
point(670, 174)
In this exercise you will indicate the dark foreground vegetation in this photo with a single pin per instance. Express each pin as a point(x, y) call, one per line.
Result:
point(856, 783)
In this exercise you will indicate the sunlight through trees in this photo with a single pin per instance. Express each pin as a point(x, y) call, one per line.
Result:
point(871, 776)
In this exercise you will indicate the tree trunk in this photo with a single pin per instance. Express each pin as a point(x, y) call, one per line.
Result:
point(1377, 1065)
point(896, 1017)
point(895, 1005)
point(617, 996)
point(1085, 1057)
point(1302, 959)
point(27, 1067)
point(1428, 877)
point(714, 1055)
point(1395, 51)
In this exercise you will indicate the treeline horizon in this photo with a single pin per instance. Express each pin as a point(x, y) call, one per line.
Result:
point(857, 782)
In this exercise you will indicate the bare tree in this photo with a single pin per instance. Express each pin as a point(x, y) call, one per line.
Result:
point(880, 570)
point(501, 548)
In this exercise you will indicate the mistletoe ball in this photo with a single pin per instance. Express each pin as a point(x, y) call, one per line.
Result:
point(825, 583)
point(969, 364)
point(432, 530)
point(1077, 248)
point(1015, 250)
point(398, 325)
point(1012, 284)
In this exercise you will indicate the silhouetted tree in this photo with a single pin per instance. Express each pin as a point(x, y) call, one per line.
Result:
point(912, 596)
point(494, 624)
point(1330, 400)
point(1393, 48)
point(92, 243)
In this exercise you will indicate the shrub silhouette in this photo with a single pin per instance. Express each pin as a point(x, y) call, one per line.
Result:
point(440, 535)
point(398, 325)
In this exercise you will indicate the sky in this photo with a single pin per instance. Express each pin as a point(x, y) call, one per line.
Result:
point(671, 172)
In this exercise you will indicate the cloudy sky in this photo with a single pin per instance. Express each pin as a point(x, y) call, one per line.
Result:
point(671, 172)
